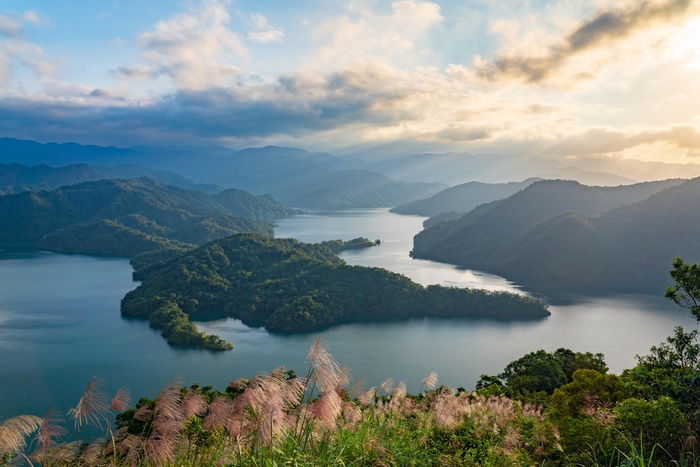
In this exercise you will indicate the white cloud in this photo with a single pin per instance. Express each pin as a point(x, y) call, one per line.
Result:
point(561, 48)
point(372, 73)
point(196, 50)
point(11, 27)
point(261, 31)
point(363, 34)
point(17, 54)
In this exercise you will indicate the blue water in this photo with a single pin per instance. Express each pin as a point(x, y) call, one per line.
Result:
point(60, 326)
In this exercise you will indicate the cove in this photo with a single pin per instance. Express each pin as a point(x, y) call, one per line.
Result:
point(60, 326)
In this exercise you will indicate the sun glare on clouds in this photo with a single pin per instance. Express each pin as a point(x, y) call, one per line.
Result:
point(685, 44)
point(478, 76)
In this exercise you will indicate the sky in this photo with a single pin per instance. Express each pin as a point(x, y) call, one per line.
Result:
point(567, 79)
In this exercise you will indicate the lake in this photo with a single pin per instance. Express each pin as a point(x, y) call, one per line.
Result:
point(60, 326)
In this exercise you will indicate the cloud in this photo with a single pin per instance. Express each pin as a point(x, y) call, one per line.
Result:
point(11, 26)
point(349, 83)
point(139, 72)
point(600, 31)
point(17, 53)
point(196, 50)
point(261, 31)
point(272, 35)
point(364, 34)
point(359, 101)
point(461, 134)
point(371, 74)
point(539, 109)
point(609, 140)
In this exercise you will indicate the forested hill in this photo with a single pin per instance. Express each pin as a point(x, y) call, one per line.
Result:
point(287, 286)
point(629, 248)
point(122, 218)
point(260, 207)
point(16, 178)
point(462, 198)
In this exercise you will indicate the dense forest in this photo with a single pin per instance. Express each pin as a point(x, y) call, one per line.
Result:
point(16, 178)
point(129, 217)
point(565, 235)
point(288, 286)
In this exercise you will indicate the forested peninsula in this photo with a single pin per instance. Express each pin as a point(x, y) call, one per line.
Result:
point(287, 286)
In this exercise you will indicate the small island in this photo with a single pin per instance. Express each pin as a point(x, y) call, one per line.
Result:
point(287, 286)
point(337, 246)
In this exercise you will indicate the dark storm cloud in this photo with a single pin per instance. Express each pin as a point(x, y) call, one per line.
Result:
point(604, 27)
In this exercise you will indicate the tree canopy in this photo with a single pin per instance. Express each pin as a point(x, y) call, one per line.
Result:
point(686, 290)
point(288, 286)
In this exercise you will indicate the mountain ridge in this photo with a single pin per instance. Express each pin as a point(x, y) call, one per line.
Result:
point(563, 234)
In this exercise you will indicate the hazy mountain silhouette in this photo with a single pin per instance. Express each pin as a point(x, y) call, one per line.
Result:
point(462, 198)
point(458, 168)
point(308, 179)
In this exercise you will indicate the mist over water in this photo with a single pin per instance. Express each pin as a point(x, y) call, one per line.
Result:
point(60, 326)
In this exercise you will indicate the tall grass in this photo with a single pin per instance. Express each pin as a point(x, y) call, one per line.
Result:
point(279, 419)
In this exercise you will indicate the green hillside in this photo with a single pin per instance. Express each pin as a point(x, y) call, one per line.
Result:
point(16, 178)
point(118, 217)
point(244, 204)
point(628, 248)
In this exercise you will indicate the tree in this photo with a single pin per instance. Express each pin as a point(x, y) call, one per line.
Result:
point(686, 291)
point(542, 372)
point(658, 422)
point(591, 393)
point(671, 369)
point(572, 361)
point(679, 351)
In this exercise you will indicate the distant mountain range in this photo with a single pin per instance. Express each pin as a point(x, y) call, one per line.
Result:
point(130, 217)
point(295, 176)
point(319, 180)
point(458, 168)
point(566, 235)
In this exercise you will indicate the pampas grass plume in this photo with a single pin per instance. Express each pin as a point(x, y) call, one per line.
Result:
point(14, 431)
point(50, 430)
point(387, 385)
point(92, 406)
point(430, 381)
point(121, 400)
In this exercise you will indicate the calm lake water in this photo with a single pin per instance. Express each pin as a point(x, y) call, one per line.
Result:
point(60, 326)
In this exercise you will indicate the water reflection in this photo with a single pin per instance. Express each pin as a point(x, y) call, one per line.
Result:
point(396, 233)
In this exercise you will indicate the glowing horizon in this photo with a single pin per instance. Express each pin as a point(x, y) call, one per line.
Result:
point(568, 80)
